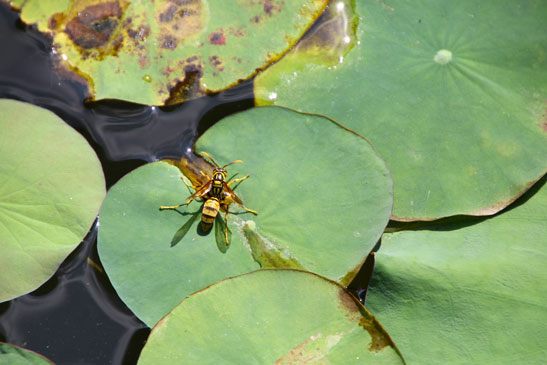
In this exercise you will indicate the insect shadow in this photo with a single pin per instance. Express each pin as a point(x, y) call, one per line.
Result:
point(219, 227)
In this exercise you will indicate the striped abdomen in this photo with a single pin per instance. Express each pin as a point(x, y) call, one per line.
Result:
point(210, 211)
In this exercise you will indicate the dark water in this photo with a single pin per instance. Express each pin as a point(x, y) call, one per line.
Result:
point(76, 317)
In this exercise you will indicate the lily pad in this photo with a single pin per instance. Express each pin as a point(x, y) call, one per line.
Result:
point(51, 190)
point(475, 294)
point(168, 51)
point(323, 195)
point(452, 94)
point(266, 317)
point(14, 355)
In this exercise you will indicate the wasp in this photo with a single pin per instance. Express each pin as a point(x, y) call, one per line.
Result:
point(216, 193)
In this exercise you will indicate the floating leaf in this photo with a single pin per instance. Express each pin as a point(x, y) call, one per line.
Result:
point(50, 191)
point(167, 51)
point(451, 93)
point(475, 294)
point(266, 317)
point(14, 355)
point(323, 195)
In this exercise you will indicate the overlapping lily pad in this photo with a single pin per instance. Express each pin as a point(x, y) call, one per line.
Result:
point(51, 189)
point(474, 294)
point(451, 93)
point(323, 195)
point(266, 317)
point(167, 51)
point(14, 355)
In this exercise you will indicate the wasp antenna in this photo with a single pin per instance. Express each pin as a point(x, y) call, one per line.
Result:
point(210, 158)
point(231, 163)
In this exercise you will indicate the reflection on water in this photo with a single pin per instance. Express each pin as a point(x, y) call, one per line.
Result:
point(331, 37)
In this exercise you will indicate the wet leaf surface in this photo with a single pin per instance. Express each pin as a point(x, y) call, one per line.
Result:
point(474, 293)
point(322, 203)
point(452, 94)
point(167, 51)
point(300, 318)
point(51, 189)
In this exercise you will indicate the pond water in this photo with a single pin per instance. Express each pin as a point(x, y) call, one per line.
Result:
point(76, 317)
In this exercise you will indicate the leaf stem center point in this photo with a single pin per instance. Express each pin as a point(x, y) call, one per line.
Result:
point(443, 57)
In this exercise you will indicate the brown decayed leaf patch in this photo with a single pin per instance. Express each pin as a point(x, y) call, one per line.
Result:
point(94, 26)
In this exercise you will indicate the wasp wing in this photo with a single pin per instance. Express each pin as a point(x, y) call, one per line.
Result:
point(201, 192)
point(229, 192)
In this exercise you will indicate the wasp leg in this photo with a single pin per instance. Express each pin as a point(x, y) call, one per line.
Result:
point(166, 207)
point(249, 210)
point(189, 185)
point(204, 175)
point(226, 228)
point(236, 180)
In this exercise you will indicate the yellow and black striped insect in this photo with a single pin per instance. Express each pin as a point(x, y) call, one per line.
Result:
point(216, 193)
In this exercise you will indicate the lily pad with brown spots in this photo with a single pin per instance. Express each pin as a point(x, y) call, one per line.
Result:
point(167, 51)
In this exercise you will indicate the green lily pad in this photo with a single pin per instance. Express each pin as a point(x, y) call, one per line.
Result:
point(14, 355)
point(323, 195)
point(266, 317)
point(451, 93)
point(168, 51)
point(52, 187)
point(475, 294)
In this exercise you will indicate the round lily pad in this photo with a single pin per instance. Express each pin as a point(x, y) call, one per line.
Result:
point(475, 293)
point(266, 317)
point(51, 190)
point(168, 51)
point(322, 194)
point(451, 93)
point(14, 355)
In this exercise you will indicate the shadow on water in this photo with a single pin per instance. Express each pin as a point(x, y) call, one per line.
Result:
point(360, 283)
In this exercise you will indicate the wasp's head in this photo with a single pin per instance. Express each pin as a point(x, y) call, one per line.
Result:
point(219, 173)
